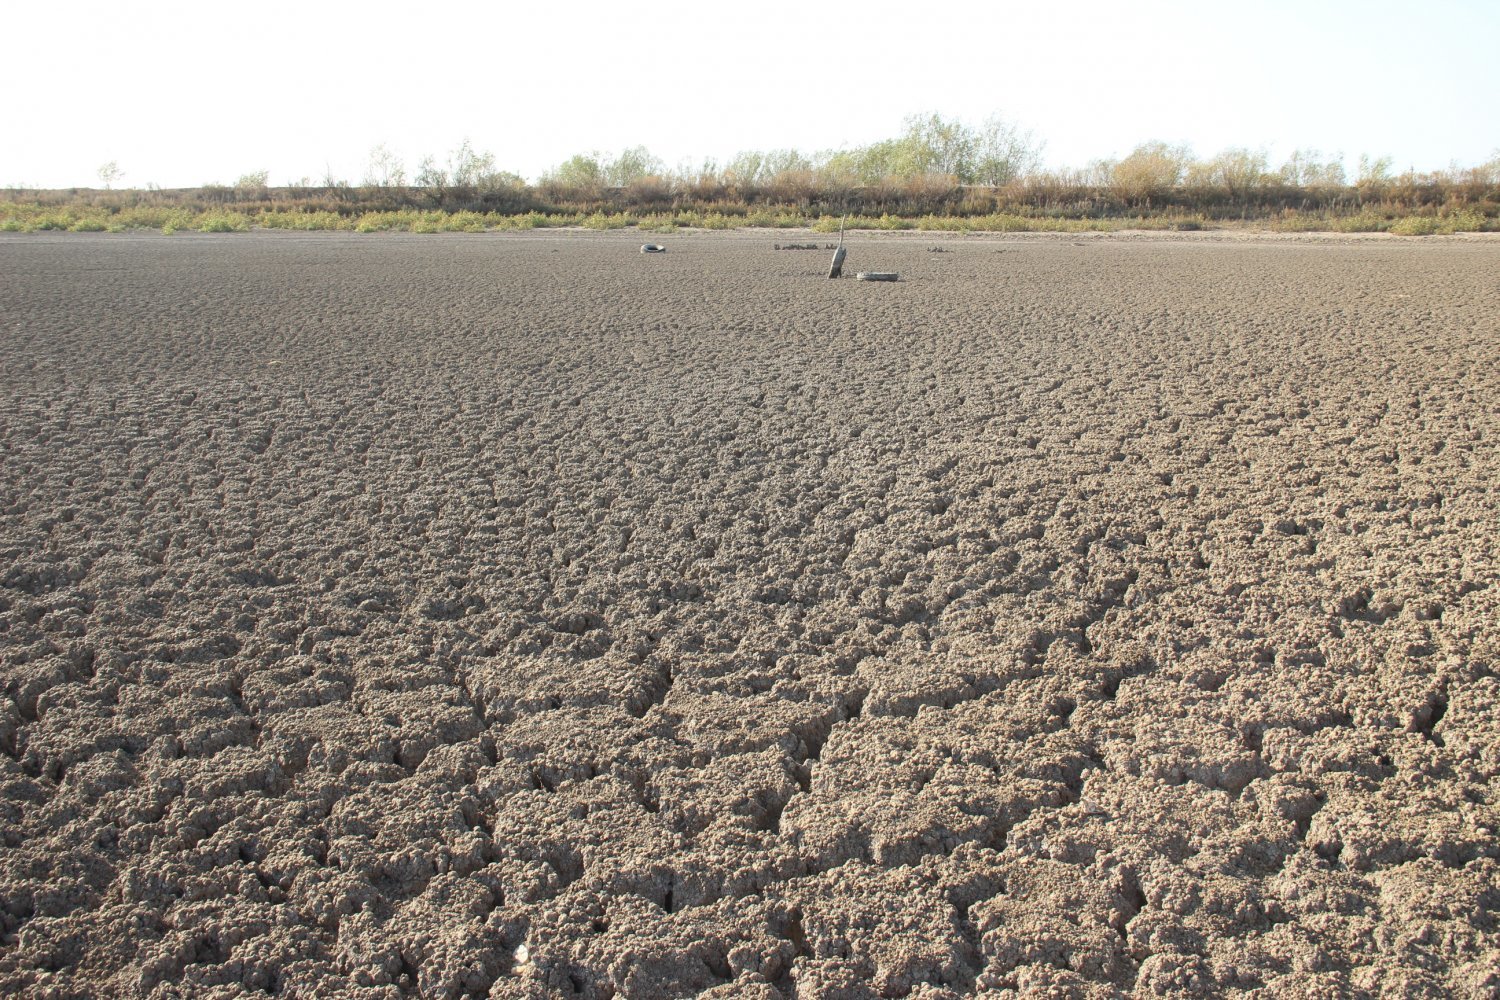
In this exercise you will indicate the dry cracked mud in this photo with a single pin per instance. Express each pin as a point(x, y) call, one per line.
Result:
point(529, 617)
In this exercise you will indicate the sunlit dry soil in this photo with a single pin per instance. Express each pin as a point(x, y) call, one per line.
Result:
point(529, 617)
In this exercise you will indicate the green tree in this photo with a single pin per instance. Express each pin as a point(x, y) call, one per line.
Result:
point(469, 168)
point(873, 163)
point(580, 171)
point(1307, 168)
point(631, 166)
point(746, 169)
point(1151, 169)
point(934, 145)
point(1003, 152)
point(1373, 173)
point(431, 175)
point(256, 180)
point(784, 161)
point(1236, 170)
point(385, 168)
point(1487, 172)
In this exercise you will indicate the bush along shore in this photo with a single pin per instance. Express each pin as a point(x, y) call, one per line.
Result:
point(84, 215)
point(938, 175)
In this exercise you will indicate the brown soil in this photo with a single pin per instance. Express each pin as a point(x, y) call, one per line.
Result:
point(527, 616)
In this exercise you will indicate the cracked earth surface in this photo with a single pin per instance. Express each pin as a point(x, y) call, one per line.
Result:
point(529, 617)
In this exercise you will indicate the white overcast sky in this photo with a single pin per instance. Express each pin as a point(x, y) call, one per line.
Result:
point(191, 93)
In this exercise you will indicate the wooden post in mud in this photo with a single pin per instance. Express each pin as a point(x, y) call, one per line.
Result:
point(838, 255)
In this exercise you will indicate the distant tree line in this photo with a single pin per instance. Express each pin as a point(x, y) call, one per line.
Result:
point(935, 166)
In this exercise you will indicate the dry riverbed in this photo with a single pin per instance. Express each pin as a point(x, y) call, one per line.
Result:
point(525, 616)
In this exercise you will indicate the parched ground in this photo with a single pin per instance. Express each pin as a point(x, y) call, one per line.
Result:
point(524, 616)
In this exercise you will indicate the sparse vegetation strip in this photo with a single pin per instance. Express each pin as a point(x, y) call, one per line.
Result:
point(937, 175)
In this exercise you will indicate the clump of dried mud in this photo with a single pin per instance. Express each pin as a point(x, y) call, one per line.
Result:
point(526, 617)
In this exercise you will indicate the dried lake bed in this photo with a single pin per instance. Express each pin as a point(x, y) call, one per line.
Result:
point(525, 616)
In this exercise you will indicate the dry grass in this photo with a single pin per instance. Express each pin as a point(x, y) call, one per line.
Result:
point(926, 204)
